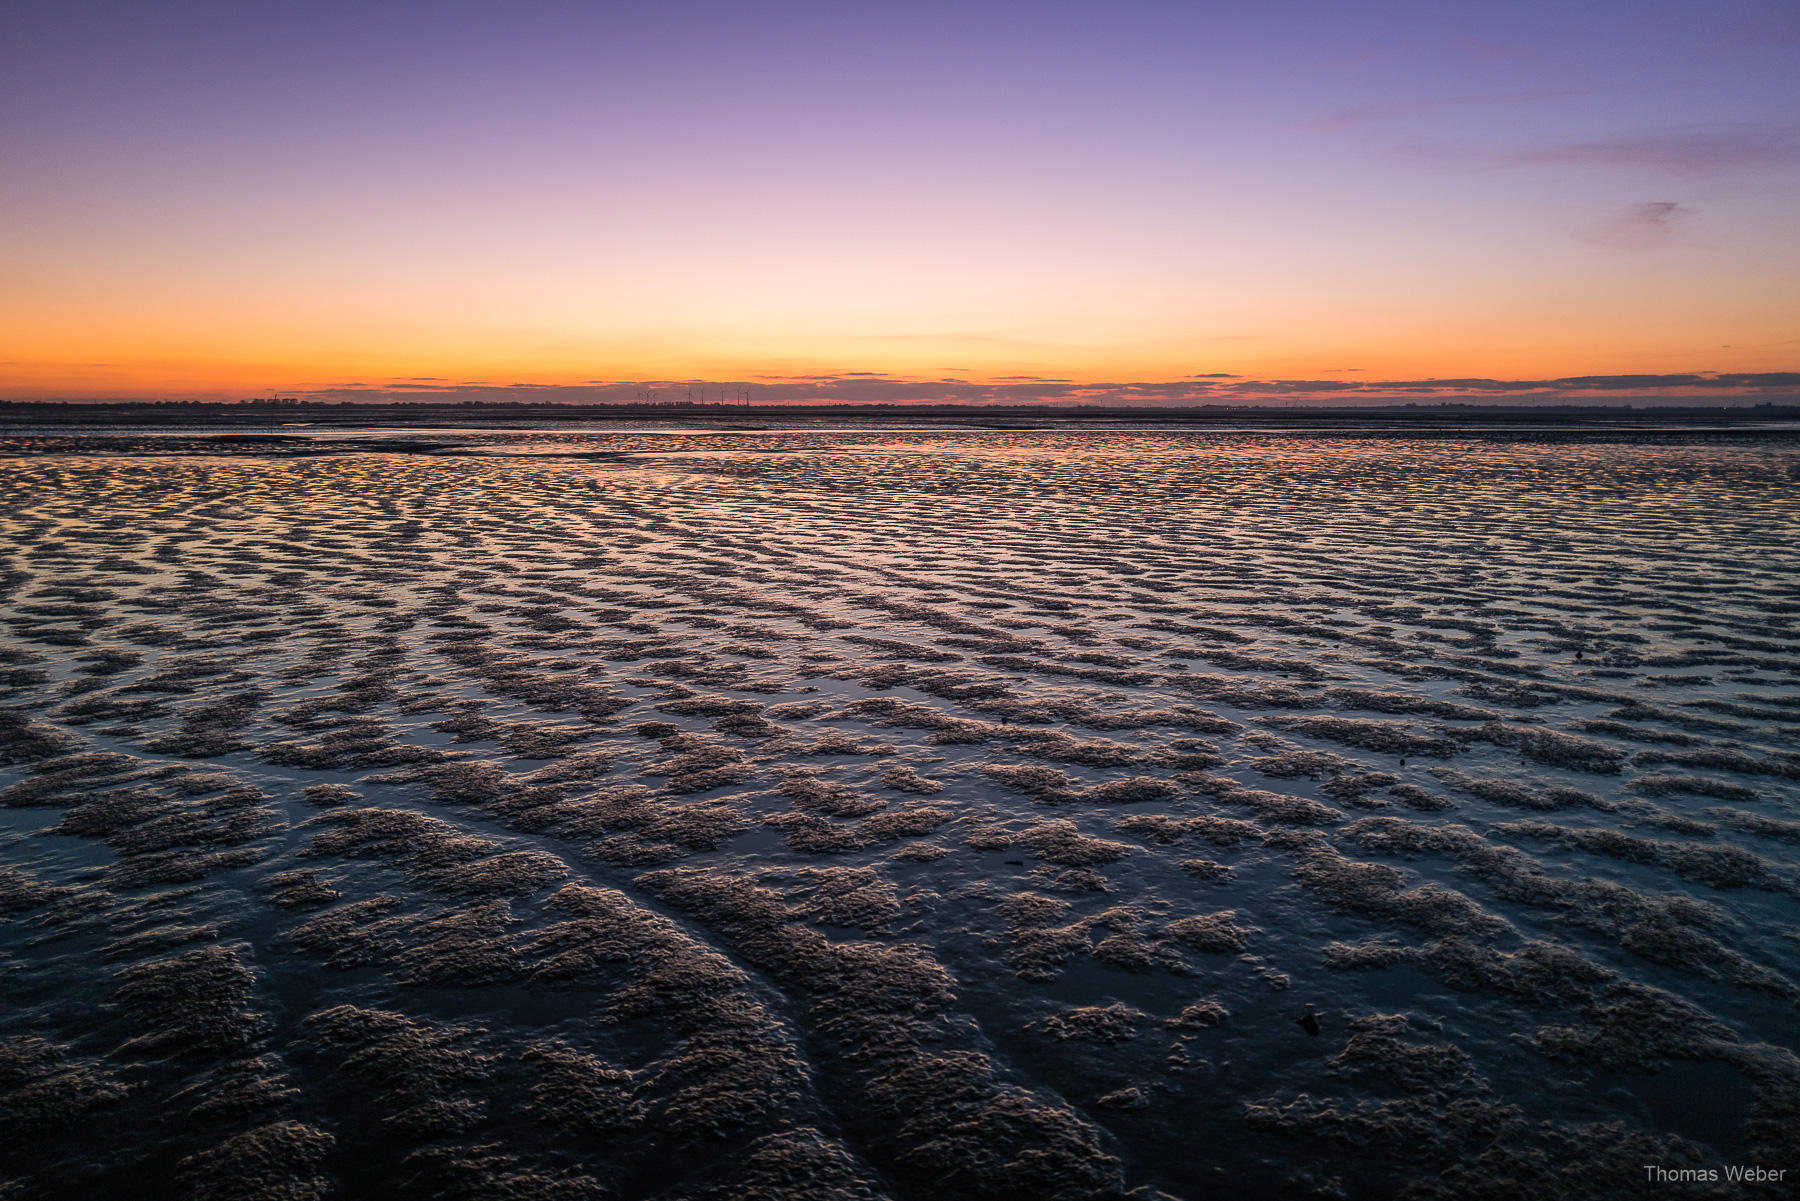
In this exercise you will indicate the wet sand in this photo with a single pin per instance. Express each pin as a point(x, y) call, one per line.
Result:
point(862, 814)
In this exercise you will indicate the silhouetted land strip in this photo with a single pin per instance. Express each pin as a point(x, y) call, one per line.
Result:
point(17, 414)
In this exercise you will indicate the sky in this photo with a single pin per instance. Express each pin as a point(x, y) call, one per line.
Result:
point(975, 200)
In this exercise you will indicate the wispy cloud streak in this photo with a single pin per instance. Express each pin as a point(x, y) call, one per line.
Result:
point(1407, 108)
point(864, 388)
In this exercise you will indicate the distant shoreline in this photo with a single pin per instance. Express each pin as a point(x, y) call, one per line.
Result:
point(19, 416)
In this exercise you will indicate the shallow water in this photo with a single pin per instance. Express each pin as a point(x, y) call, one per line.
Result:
point(913, 815)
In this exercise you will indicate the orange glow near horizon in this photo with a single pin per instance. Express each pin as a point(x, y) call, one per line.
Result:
point(77, 365)
point(291, 340)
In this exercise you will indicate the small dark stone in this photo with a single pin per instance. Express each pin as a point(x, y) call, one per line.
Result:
point(1310, 1024)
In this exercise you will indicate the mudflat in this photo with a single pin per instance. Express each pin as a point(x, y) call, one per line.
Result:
point(899, 814)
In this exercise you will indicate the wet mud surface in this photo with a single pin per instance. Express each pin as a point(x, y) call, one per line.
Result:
point(861, 815)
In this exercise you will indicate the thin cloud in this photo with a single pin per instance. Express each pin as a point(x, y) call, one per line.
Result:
point(1407, 108)
point(1701, 387)
point(1494, 49)
point(1684, 152)
point(1680, 151)
point(1647, 226)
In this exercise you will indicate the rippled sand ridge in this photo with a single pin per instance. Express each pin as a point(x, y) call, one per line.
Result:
point(911, 816)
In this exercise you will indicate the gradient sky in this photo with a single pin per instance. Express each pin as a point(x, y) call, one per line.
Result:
point(214, 199)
